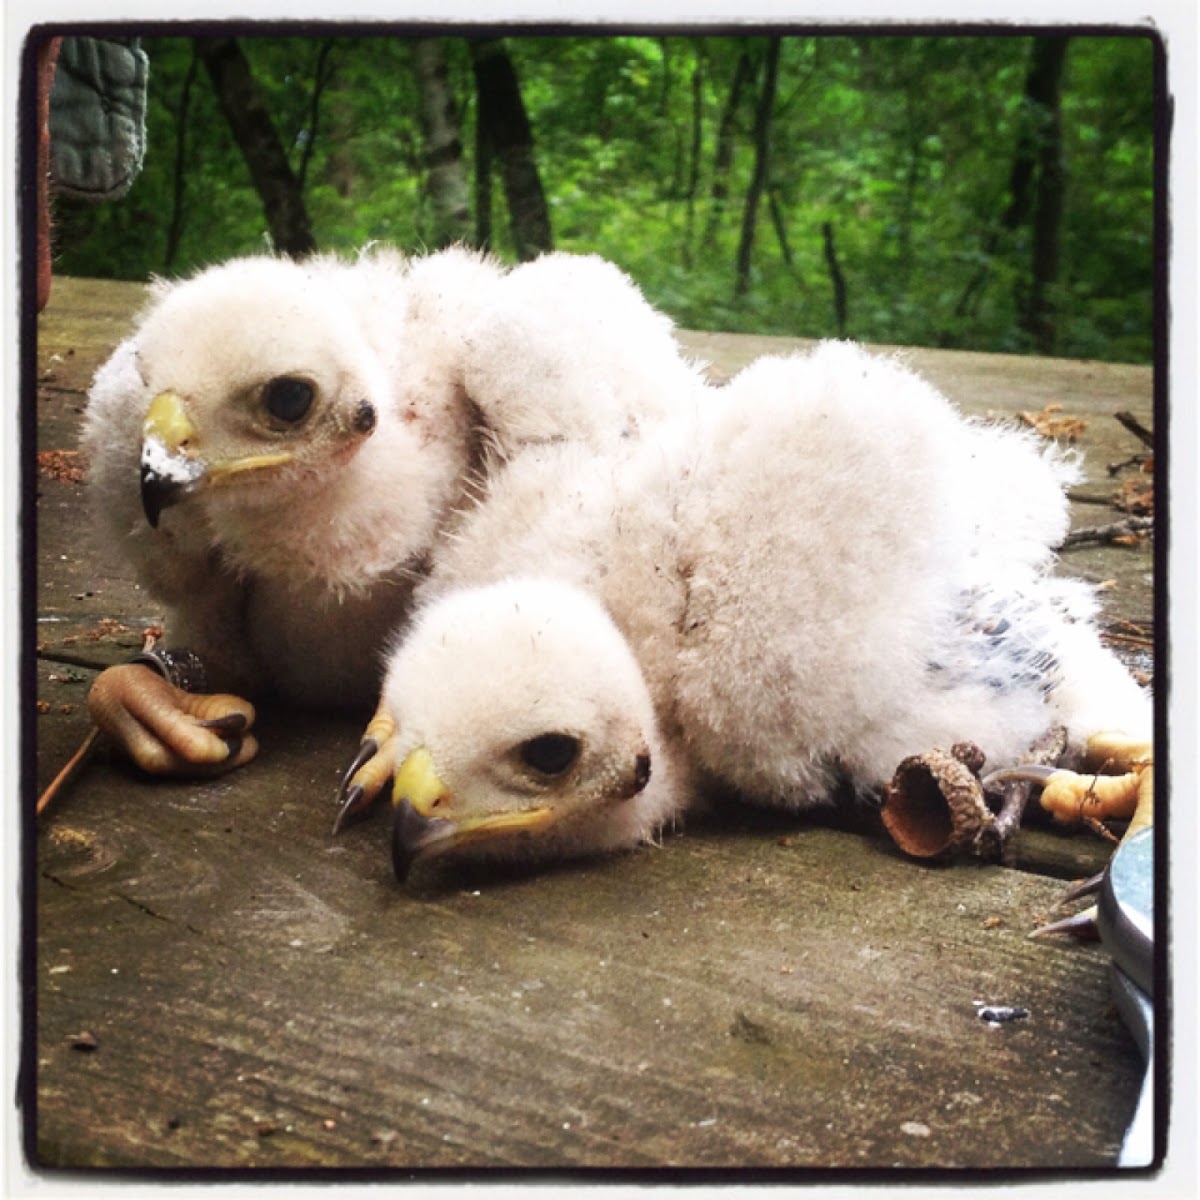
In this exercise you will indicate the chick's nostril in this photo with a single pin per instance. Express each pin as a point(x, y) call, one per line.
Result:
point(641, 771)
point(364, 418)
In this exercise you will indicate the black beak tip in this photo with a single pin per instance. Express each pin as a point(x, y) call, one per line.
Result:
point(402, 856)
point(160, 492)
point(411, 833)
point(414, 836)
point(153, 496)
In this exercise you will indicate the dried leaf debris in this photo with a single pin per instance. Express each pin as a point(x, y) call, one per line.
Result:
point(64, 466)
point(1052, 422)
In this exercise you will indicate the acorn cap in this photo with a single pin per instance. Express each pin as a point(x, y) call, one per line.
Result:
point(934, 806)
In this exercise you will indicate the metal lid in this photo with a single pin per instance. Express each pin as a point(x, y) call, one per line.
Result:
point(1126, 909)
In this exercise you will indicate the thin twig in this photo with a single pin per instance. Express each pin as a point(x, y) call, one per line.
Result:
point(1127, 639)
point(76, 761)
point(1136, 460)
point(1008, 819)
point(1102, 500)
point(1106, 534)
point(1136, 428)
point(1133, 632)
point(1015, 785)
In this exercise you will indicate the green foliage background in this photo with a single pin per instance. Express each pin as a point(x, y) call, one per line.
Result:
point(903, 144)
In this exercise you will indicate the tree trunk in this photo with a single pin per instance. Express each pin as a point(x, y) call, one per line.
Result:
point(836, 278)
point(483, 187)
point(912, 181)
point(1038, 318)
point(762, 164)
point(506, 126)
point(1040, 120)
point(664, 95)
point(676, 187)
point(779, 220)
point(446, 178)
point(322, 74)
point(175, 229)
point(693, 179)
point(743, 76)
point(250, 122)
point(341, 169)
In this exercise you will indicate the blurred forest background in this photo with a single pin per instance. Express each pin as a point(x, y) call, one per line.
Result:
point(984, 192)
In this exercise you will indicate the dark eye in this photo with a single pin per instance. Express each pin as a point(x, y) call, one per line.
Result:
point(288, 399)
point(550, 753)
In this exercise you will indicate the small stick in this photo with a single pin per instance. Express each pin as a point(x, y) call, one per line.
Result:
point(1102, 534)
point(150, 637)
point(1142, 629)
point(1136, 428)
point(1135, 460)
point(1132, 639)
point(1101, 501)
point(73, 765)
point(1008, 819)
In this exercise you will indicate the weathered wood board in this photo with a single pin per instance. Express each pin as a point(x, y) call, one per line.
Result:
point(218, 983)
point(261, 996)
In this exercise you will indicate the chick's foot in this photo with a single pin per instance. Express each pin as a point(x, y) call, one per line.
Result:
point(1075, 798)
point(168, 731)
point(368, 774)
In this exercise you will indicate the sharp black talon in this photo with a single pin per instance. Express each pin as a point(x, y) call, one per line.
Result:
point(234, 722)
point(1082, 924)
point(1084, 887)
point(349, 802)
point(233, 744)
point(366, 751)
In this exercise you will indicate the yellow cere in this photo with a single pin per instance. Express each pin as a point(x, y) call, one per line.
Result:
point(167, 420)
point(417, 782)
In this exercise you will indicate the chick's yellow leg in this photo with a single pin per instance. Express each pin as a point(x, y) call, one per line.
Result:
point(373, 766)
point(167, 731)
point(1072, 797)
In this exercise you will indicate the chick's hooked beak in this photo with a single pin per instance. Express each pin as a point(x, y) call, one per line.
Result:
point(172, 466)
point(170, 471)
point(420, 830)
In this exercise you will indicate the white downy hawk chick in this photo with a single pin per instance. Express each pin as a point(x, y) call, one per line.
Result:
point(581, 766)
point(820, 570)
point(279, 447)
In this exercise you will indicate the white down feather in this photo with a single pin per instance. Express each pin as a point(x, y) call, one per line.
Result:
point(820, 570)
point(290, 582)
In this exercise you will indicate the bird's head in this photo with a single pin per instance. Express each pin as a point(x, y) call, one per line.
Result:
point(252, 371)
point(524, 730)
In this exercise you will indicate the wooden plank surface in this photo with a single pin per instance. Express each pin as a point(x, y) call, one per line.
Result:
point(260, 996)
point(221, 984)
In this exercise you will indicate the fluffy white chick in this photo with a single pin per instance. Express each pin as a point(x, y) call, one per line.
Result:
point(820, 572)
point(279, 447)
point(581, 767)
